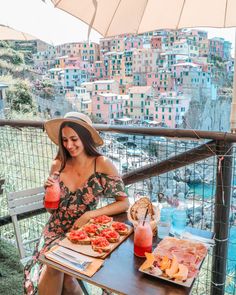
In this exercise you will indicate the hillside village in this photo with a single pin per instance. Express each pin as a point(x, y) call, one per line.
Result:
point(171, 79)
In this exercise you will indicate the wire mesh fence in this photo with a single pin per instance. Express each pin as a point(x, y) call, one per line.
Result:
point(26, 155)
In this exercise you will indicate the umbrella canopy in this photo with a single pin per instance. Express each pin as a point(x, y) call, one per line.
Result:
point(7, 33)
point(116, 17)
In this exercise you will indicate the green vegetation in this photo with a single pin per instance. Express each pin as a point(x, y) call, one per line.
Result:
point(19, 97)
point(14, 71)
point(11, 272)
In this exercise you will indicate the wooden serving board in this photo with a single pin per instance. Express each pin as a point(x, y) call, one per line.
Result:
point(87, 249)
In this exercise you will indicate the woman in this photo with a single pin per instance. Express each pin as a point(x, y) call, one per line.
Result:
point(85, 176)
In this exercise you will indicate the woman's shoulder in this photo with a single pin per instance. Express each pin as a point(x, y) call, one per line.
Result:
point(104, 165)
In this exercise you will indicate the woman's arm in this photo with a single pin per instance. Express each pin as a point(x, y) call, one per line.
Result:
point(104, 165)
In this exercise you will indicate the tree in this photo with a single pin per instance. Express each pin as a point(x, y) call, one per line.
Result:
point(19, 97)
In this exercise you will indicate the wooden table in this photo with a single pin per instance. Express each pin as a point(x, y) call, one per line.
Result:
point(120, 273)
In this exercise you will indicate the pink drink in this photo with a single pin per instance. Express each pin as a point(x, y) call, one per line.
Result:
point(52, 195)
point(143, 239)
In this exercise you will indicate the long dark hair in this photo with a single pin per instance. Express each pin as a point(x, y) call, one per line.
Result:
point(86, 138)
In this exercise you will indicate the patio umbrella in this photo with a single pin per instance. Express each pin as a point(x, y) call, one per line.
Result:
point(116, 17)
point(8, 33)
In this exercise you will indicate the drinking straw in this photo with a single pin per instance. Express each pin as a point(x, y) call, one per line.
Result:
point(145, 216)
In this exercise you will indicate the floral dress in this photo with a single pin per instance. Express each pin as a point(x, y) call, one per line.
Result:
point(71, 207)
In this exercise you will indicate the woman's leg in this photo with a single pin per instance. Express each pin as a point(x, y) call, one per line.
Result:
point(71, 286)
point(50, 281)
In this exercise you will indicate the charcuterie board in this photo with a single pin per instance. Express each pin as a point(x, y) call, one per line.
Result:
point(175, 260)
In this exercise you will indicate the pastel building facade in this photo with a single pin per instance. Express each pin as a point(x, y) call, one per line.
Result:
point(45, 60)
point(139, 104)
point(156, 42)
point(133, 42)
point(117, 43)
point(198, 84)
point(101, 86)
point(85, 51)
point(80, 100)
point(161, 81)
point(170, 109)
point(107, 106)
point(74, 76)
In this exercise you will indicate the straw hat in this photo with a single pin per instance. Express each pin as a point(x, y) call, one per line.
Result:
point(52, 127)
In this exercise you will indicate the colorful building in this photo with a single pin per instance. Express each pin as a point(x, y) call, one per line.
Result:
point(107, 106)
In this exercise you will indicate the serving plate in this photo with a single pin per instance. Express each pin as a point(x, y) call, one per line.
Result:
point(186, 283)
point(189, 253)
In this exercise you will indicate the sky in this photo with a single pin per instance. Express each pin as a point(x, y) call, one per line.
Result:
point(55, 26)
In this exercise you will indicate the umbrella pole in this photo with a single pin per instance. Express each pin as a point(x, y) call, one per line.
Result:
point(233, 105)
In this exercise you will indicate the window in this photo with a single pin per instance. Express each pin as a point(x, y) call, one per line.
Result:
point(169, 117)
point(108, 87)
point(98, 107)
point(96, 87)
point(98, 98)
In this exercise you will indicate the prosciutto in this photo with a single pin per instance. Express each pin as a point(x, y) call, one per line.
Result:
point(186, 252)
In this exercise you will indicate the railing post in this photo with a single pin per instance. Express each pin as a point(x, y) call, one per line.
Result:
point(221, 217)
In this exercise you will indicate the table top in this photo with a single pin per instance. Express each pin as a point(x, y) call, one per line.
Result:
point(120, 273)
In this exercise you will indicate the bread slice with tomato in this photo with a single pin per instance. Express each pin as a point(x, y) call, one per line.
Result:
point(111, 235)
point(102, 220)
point(78, 236)
point(121, 228)
point(100, 244)
point(91, 229)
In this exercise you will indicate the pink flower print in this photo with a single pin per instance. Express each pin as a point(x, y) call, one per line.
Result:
point(81, 207)
point(88, 198)
point(73, 207)
point(57, 222)
point(90, 190)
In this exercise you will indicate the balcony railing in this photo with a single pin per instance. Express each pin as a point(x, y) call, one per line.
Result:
point(200, 164)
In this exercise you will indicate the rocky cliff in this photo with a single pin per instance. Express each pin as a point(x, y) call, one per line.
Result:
point(209, 114)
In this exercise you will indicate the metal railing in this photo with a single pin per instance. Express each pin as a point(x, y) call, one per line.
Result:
point(199, 164)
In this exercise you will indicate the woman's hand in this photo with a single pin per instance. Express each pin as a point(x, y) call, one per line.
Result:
point(82, 220)
point(51, 180)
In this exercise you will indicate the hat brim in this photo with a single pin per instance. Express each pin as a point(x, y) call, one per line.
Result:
point(52, 128)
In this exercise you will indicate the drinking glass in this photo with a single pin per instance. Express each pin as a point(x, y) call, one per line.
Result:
point(163, 229)
point(179, 220)
point(143, 238)
point(52, 194)
point(166, 214)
